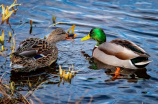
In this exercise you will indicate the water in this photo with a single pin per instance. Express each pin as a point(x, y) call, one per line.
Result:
point(135, 20)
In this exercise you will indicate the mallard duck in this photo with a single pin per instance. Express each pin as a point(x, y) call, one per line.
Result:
point(118, 52)
point(34, 53)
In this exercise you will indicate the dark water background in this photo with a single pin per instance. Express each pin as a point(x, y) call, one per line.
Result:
point(135, 20)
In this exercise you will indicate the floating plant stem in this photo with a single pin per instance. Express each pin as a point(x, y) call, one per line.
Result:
point(10, 37)
point(31, 22)
point(2, 38)
point(12, 87)
point(59, 23)
point(12, 46)
point(2, 48)
point(66, 76)
point(30, 85)
point(72, 28)
point(6, 13)
point(45, 37)
point(54, 22)
point(60, 71)
point(53, 19)
point(1, 53)
point(12, 4)
point(3, 9)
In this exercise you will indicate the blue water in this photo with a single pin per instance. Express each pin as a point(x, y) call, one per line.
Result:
point(135, 20)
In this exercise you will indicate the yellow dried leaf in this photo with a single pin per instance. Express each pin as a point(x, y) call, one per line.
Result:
point(31, 22)
point(53, 18)
point(7, 10)
point(2, 48)
point(8, 15)
point(15, 1)
point(30, 85)
point(13, 44)
point(45, 37)
point(13, 4)
point(2, 38)
point(72, 28)
point(60, 70)
point(3, 9)
point(70, 75)
point(10, 35)
point(66, 76)
point(12, 87)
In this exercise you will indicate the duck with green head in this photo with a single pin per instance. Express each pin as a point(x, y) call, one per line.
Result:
point(118, 52)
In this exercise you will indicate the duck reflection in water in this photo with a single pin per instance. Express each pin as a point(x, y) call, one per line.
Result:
point(123, 73)
point(30, 81)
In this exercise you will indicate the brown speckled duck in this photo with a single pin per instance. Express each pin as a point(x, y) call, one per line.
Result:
point(34, 53)
point(118, 52)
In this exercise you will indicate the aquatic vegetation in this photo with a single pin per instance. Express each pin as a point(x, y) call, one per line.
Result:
point(53, 19)
point(2, 40)
point(10, 95)
point(6, 13)
point(10, 36)
point(66, 76)
point(12, 46)
point(44, 37)
point(31, 23)
point(12, 87)
point(72, 28)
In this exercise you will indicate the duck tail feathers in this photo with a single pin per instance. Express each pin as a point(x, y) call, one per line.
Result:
point(143, 63)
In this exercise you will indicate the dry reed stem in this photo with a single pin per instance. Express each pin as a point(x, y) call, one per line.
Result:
point(37, 99)
point(9, 96)
point(78, 102)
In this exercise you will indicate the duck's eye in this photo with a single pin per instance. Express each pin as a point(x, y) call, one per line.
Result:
point(91, 32)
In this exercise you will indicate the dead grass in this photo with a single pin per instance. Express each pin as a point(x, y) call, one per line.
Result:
point(10, 96)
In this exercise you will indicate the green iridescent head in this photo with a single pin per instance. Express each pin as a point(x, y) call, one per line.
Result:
point(96, 34)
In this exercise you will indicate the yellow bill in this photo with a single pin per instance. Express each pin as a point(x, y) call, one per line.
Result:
point(86, 38)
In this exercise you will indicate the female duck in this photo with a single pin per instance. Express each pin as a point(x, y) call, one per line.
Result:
point(34, 53)
point(118, 52)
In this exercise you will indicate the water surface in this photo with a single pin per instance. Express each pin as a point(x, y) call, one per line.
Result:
point(135, 20)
